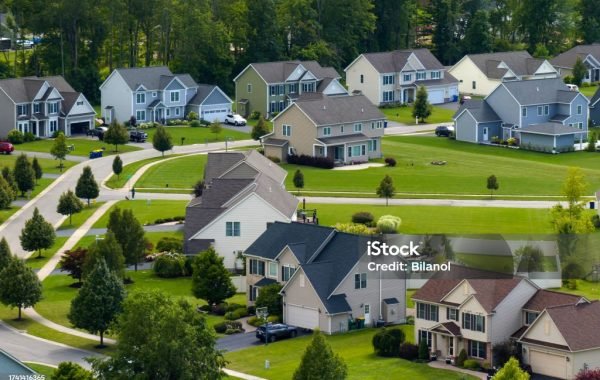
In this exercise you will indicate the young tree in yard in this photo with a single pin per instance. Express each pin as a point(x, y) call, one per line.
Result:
point(423, 350)
point(210, 278)
point(72, 261)
point(492, 184)
point(270, 298)
point(386, 188)
point(59, 149)
point(198, 188)
point(161, 140)
point(260, 129)
point(19, 285)
point(37, 169)
point(129, 234)
point(71, 371)
point(107, 249)
point(7, 194)
point(87, 187)
point(153, 327)
point(37, 234)
point(5, 254)
point(421, 108)
point(98, 301)
point(117, 166)
point(592, 141)
point(116, 135)
point(298, 180)
point(511, 371)
point(24, 174)
point(9, 177)
point(320, 362)
point(69, 204)
point(579, 71)
point(216, 128)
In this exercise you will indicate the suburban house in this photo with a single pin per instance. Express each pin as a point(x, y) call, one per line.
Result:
point(269, 87)
point(326, 282)
point(393, 77)
point(543, 114)
point(155, 94)
point(43, 106)
point(244, 191)
point(589, 55)
point(480, 74)
point(595, 108)
point(346, 129)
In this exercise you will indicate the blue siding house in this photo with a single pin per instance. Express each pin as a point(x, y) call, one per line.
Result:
point(542, 114)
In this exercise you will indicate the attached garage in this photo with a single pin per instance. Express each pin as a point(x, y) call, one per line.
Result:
point(436, 95)
point(80, 127)
point(302, 316)
point(544, 363)
point(215, 112)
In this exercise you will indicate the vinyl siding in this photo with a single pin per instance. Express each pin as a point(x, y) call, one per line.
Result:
point(506, 320)
point(258, 97)
point(472, 306)
point(580, 360)
point(370, 88)
point(595, 114)
point(303, 133)
point(307, 297)
point(494, 129)
point(538, 331)
point(575, 118)
point(466, 72)
point(505, 105)
point(466, 128)
point(546, 141)
point(116, 93)
point(8, 111)
point(216, 97)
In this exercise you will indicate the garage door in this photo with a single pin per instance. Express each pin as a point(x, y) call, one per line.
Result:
point(299, 316)
point(547, 364)
point(212, 113)
point(79, 128)
point(436, 96)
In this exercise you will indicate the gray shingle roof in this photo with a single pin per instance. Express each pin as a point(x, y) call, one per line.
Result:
point(394, 61)
point(23, 90)
point(594, 100)
point(218, 163)
point(153, 77)
point(519, 62)
point(203, 91)
point(328, 110)
point(279, 71)
point(540, 91)
point(480, 110)
point(344, 139)
point(550, 128)
point(275, 142)
point(447, 79)
point(391, 301)
point(568, 58)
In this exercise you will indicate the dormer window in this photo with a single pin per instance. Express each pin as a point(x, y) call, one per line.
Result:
point(140, 98)
point(53, 107)
point(308, 87)
point(421, 75)
point(407, 77)
point(436, 75)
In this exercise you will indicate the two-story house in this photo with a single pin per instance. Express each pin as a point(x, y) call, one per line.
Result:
point(589, 55)
point(269, 87)
point(346, 129)
point(480, 74)
point(543, 113)
point(325, 277)
point(393, 77)
point(43, 106)
point(244, 191)
point(155, 94)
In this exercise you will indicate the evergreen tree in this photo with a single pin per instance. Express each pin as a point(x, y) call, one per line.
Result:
point(110, 251)
point(161, 140)
point(216, 128)
point(511, 371)
point(579, 71)
point(264, 40)
point(7, 194)
point(24, 174)
point(37, 234)
point(9, 177)
point(116, 135)
point(298, 180)
point(129, 234)
point(87, 187)
point(320, 362)
point(492, 184)
point(423, 350)
point(422, 107)
point(592, 141)
point(98, 301)
point(69, 204)
point(117, 166)
point(19, 285)
point(72, 261)
point(590, 21)
point(386, 188)
point(5, 254)
point(198, 188)
point(260, 129)
point(59, 149)
point(445, 16)
point(395, 25)
point(477, 35)
point(211, 280)
point(37, 169)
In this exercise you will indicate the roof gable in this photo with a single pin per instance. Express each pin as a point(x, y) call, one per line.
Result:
point(329, 110)
point(149, 77)
point(395, 61)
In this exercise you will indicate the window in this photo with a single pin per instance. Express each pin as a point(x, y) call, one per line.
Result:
point(23, 126)
point(281, 106)
point(174, 96)
point(168, 112)
point(388, 96)
point(473, 322)
point(363, 149)
point(80, 102)
point(428, 312)
point(140, 115)
point(308, 87)
point(252, 292)
point(273, 270)
point(421, 75)
point(530, 317)
point(539, 110)
point(407, 77)
point(257, 267)
point(372, 145)
point(22, 109)
point(360, 281)
point(474, 85)
point(580, 125)
point(53, 107)
point(452, 314)
point(140, 98)
point(356, 150)
point(249, 88)
point(424, 334)
point(287, 272)
point(435, 75)
point(272, 107)
point(154, 94)
point(277, 89)
point(546, 109)
point(358, 127)
point(388, 79)
point(53, 126)
point(524, 112)
point(293, 88)
point(579, 110)
point(326, 131)
point(232, 228)
point(362, 78)
point(177, 111)
point(36, 107)
point(287, 130)
point(477, 349)
point(342, 129)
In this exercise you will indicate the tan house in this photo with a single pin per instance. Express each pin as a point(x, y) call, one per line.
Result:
point(326, 282)
point(347, 129)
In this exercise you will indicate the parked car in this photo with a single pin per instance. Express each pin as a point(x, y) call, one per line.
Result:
point(235, 119)
point(275, 332)
point(444, 130)
point(138, 136)
point(572, 87)
point(27, 44)
point(6, 147)
point(97, 132)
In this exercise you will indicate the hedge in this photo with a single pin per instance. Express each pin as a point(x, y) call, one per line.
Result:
point(306, 160)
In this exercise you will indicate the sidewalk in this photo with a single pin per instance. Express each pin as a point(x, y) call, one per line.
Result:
point(442, 365)
point(240, 375)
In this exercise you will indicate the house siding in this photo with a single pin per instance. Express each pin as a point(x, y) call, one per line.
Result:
point(466, 72)
point(595, 114)
point(494, 129)
point(116, 93)
point(545, 142)
point(506, 318)
point(505, 105)
point(370, 88)
point(466, 128)
point(306, 297)
point(539, 332)
point(585, 359)
point(257, 99)
point(575, 118)
point(303, 133)
point(8, 110)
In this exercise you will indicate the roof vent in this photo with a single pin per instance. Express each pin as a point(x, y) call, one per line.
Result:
point(362, 110)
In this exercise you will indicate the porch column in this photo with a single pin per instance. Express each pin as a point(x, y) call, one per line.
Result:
point(554, 145)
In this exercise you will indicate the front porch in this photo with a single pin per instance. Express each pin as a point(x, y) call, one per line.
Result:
point(350, 149)
point(446, 341)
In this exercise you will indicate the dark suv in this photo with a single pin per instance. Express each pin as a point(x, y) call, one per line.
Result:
point(137, 136)
point(444, 130)
point(275, 332)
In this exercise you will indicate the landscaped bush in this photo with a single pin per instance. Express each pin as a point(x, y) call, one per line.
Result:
point(423, 350)
point(169, 244)
point(28, 137)
point(408, 351)
point(596, 221)
point(410, 320)
point(588, 374)
point(471, 364)
point(274, 159)
point(233, 331)
point(233, 306)
point(178, 218)
point(390, 161)
point(251, 310)
point(273, 319)
point(389, 224)
point(170, 265)
point(192, 115)
point(220, 309)
point(462, 356)
point(363, 217)
point(255, 321)
point(255, 115)
point(387, 342)
point(236, 314)
point(195, 123)
point(16, 137)
point(205, 308)
point(318, 162)
point(222, 327)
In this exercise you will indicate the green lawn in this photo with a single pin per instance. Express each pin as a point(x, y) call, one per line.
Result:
point(80, 218)
point(588, 289)
point(404, 115)
point(354, 347)
point(36, 263)
point(115, 182)
point(6, 213)
point(41, 369)
point(48, 165)
point(170, 174)
point(468, 166)
point(147, 211)
point(153, 237)
point(82, 146)
point(199, 135)
point(588, 91)
point(409, 301)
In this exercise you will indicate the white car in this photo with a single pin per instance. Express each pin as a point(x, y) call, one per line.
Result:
point(572, 87)
point(235, 119)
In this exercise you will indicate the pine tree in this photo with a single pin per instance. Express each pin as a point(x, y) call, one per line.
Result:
point(19, 285)
point(117, 166)
point(7, 195)
point(37, 169)
point(211, 280)
point(421, 108)
point(37, 234)
point(69, 204)
point(24, 174)
point(298, 180)
point(59, 149)
point(260, 129)
point(129, 234)
point(98, 301)
point(87, 187)
point(320, 362)
point(579, 71)
point(116, 135)
point(109, 250)
point(161, 140)
point(9, 177)
point(386, 189)
point(5, 254)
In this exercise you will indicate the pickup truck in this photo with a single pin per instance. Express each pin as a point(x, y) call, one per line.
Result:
point(137, 136)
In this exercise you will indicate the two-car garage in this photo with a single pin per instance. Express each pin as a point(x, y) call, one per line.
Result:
point(301, 316)
point(548, 364)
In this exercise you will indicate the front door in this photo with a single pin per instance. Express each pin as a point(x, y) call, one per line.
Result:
point(367, 312)
point(485, 134)
point(450, 346)
point(338, 153)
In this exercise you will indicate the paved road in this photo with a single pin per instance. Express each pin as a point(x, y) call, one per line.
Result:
point(240, 341)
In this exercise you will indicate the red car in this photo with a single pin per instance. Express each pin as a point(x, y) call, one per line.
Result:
point(6, 147)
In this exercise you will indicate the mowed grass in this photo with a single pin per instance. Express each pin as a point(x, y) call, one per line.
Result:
point(498, 263)
point(80, 218)
point(153, 237)
point(354, 347)
point(199, 135)
point(117, 182)
point(36, 262)
point(6, 213)
point(588, 91)
point(147, 211)
point(48, 165)
point(41, 369)
point(83, 146)
point(466, 172)
point(404, 115)
point(179, 173)
point(587, 289)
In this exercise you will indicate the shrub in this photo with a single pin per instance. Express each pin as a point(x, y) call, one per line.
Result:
point(306, 160)
point(596, 220)
point(179, 218)
point(390, 161)
point(192, 116)
point(232, 331)
point(255, 115)
point(195, 124)
point(170, 265)
point(236, 314)
point(588, 374)
point(423, 350)
point(230, 316)
point(251, 310)
point(389, 224)
point(169, 244)
point(233, 306)
point(408, 351)
point(205, 308)
point(462, 356)
point(222, 327)
point(219, 309)
point(273, 319)
point(471, 364)
point(16, 137)
point(387, 342)
point(28, 137)
point(55, 134)
point(410, 320)
point(274, 159)
point(354, 228)
point(568, 79)
point(363, 217)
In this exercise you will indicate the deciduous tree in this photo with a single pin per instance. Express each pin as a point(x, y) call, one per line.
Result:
point(71, 371)
point(19, 285)
point(579, 71)
point(260, 129)
point(422, 107)
point(129, 234)
point(59, 149)
point(320, 362)
point(5, 254)
point(116, 135)
point(161, 140)
point(211, 280)
point(37, 169)
point(492, 184)
point(270, 298)
point(216, 128)
point(69, 204)
point(87, 187)
point(386, 189)
point(109, 250)
point(37, 234)
point(117, 166)
point(298, 180)
point(72, 261)
point(511, 371)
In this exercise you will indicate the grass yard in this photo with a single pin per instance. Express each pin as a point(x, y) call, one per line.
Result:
point(147, 211)
point(409, 301)
point(6, 213)
point(82, 146)
point(354, 347)
point(588, 289)
point(36, 263)
point(153, 237)
point(404, 115)
point(468, 166)
point(48, 165)
point(43, 370)
point(115, 182)
point(588, 91)
point(80, 218)
point(199, 135)
point(170, 174)
point(498, 263)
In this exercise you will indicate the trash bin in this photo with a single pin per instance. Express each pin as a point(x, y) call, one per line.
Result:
point(97, 153)
point(360, 323)
point(385, 124)
point(592, 205)
point(455, 98)
point(380, 323)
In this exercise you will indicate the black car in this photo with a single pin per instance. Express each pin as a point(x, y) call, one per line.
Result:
point(444, 130)
point(97, 132)
point(275, 331)
point(137, 136)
